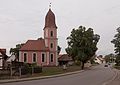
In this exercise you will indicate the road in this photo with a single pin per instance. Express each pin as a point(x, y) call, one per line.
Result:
point(97, 75)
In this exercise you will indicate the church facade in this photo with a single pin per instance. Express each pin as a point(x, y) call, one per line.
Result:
point(42, 51)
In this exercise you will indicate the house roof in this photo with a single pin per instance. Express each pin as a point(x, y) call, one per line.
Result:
point(3, 51)
point(34, 45)
point(64, 57)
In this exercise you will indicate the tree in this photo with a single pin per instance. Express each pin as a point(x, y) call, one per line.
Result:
point(15, 51)
point(82, 44)
point(109, 58)
point(116, 42)
point(58, 49)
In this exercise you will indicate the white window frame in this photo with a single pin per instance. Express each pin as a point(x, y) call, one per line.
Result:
point(52, 33)
point(52, 45)
point(51, 58)
point(33, 56)
point(44, 57)
point(26, 57)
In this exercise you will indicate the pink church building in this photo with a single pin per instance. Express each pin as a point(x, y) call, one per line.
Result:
point(44, 50)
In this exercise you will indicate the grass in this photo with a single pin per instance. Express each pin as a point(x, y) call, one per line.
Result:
point(47, 71)
point(117, 67)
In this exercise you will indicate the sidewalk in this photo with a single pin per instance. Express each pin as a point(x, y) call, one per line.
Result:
point(41, 77)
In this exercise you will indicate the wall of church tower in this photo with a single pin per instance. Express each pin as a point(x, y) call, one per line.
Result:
point(50, 36)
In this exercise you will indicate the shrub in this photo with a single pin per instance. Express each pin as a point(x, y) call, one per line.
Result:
point(37, 69)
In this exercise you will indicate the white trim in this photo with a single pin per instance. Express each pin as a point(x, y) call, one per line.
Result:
point(56, 53)
point(20, 56)
point(32, 57)
point(48, 57)
point(1, 62)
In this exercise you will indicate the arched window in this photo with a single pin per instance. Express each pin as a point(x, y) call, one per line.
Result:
point(51, 33)
point(43, 57)
point(51, 57)
point(25, 57)
point(51, 45)
point(34, 57)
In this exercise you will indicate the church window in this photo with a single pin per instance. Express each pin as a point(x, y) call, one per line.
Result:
point(43, 57)
point(34, 57)
point(51, 57)
point(25, 57)
point(51, 45)
point(51, 33)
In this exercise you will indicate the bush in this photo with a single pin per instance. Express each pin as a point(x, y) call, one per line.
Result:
point(78, 63)
point(24, 70)
point(30, 68)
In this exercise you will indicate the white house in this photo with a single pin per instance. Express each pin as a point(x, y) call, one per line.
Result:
point(99, 59)
point(2, 52)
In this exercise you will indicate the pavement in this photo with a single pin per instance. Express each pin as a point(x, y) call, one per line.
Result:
point(98, 75)
point(115, 80)
point(37, 78)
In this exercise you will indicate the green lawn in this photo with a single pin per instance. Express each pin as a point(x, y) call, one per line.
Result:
point(117, 67)
point(47, 71)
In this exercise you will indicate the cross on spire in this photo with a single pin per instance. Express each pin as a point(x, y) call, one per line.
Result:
point(50, 6)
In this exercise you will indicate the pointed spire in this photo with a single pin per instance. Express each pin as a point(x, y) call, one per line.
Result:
point(50, 19)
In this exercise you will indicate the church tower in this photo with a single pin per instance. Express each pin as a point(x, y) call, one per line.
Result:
point(50, 36)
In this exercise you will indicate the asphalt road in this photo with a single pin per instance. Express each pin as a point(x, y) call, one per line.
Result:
point(95, 76)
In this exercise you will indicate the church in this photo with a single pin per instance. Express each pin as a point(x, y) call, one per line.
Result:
point(42, 51)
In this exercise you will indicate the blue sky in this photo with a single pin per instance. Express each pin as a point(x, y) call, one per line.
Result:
point(21, 20)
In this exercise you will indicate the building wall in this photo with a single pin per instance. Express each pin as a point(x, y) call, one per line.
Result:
point(98, 60)
point(51, 39)
point(1, 62)
point(39, 58)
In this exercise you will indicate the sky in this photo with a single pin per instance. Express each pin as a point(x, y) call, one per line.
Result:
point(21, 20)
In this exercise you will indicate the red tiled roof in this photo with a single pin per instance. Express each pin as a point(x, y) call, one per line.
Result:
point(34, 45)
point(64, 57)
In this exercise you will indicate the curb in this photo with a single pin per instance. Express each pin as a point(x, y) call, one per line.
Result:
point(37, 78)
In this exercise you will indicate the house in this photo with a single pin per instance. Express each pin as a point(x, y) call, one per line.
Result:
point(2, 58)
point(65, 59)
point(99, 59)
point(42, 51)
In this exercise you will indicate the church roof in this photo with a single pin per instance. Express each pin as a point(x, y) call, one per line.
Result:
point(50, 20)
point(34, 45)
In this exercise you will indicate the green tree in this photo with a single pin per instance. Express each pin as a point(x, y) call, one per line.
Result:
point(116, 42)
point(82, 44)
point(15, 51)
point(109, 58)
point(58, 49)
